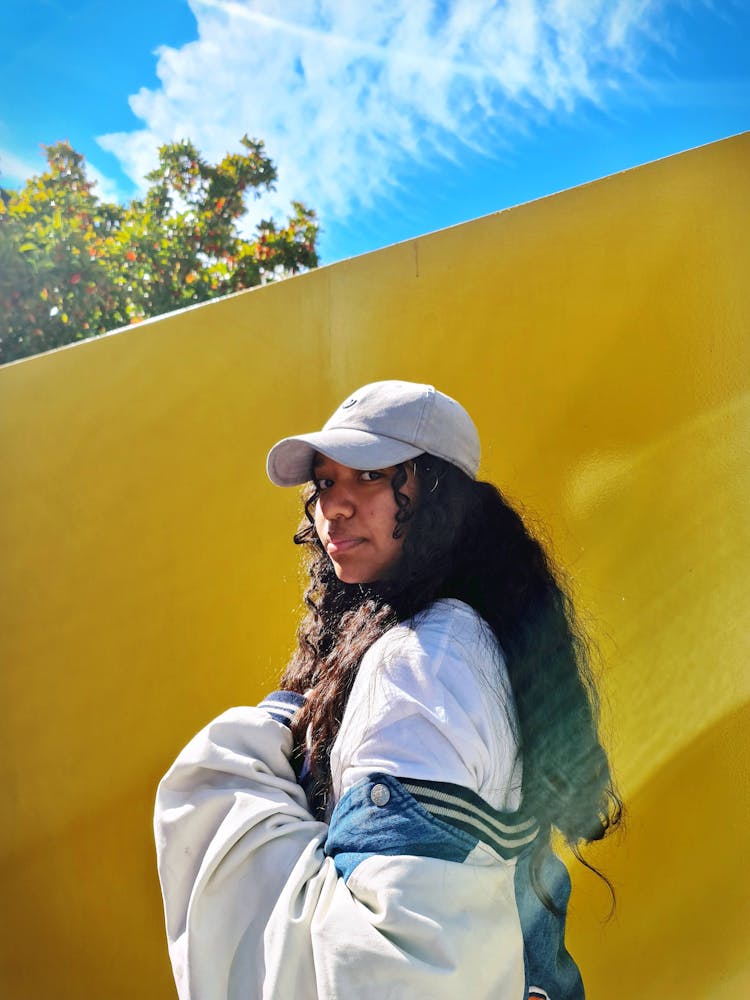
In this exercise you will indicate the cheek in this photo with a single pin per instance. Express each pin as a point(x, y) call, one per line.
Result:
point(318, 519)
point(382, 518)
point(386, 526)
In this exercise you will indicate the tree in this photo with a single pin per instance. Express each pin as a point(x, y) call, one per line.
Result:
point(72, 266)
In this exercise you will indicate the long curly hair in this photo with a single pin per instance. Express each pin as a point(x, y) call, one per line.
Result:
point(462, 539)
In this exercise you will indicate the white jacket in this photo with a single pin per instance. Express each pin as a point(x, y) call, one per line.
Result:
point(418, 887)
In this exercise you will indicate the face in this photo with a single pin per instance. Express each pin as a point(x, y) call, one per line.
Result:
point(355, 516)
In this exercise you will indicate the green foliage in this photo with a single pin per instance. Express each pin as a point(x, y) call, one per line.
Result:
point(72, 266)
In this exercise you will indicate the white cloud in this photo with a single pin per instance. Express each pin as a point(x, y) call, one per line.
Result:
point(106, 189)
point(344, 94)
point(14, 169)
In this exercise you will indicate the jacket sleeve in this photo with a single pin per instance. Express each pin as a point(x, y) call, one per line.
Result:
point(261, 900)
point(233, 837)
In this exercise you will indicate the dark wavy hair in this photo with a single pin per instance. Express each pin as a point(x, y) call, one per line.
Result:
point(462, 539)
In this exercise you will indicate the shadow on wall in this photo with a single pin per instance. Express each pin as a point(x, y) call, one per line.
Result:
point(88, 899)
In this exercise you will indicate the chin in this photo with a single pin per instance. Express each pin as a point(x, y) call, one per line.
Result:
point(351, 575)
point(352, 578)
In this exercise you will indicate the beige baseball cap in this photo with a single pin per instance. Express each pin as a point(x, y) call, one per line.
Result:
point(382, 424)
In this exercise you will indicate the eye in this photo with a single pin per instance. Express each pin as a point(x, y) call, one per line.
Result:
point(323, 484)
point(370, 475)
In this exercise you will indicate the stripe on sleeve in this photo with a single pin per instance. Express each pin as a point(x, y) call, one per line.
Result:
point(507, 833)
point(282, 705)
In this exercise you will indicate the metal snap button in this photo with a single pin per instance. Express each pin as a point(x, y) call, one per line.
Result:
point(380, 795)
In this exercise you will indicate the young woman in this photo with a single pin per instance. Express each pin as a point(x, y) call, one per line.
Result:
point(380, 827)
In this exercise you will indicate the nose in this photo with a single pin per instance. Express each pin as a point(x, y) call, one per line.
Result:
point(336, 502)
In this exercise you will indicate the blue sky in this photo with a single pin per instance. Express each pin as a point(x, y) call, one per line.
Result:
point(392, 118)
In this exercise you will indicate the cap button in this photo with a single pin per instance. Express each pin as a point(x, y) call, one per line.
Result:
point(380, 795)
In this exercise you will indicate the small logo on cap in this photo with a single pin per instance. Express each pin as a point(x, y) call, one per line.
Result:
point(349, 403)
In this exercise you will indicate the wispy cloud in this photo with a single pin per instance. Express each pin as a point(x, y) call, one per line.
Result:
point(345, 94)
point(15, 169)
point(106, 189)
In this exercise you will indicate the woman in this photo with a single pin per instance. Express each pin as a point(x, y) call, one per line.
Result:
point(380, 827)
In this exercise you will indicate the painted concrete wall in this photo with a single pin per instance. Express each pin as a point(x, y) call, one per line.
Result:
point(600, 338)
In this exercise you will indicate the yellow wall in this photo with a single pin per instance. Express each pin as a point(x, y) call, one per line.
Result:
point(600, 338)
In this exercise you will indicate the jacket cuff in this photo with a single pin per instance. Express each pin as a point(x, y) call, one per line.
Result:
point(283, 705)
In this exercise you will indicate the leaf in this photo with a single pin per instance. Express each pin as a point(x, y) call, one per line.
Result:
point(26, 247)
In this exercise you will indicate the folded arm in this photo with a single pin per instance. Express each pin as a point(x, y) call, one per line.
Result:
point(261, 900)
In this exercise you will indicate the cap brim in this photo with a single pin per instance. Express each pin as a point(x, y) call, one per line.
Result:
point(290, 461)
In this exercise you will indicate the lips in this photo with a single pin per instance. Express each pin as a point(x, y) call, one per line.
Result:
point(337, 545)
